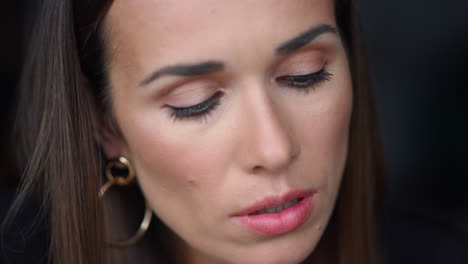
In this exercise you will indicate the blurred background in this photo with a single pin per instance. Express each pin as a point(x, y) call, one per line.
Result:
point(418, 53)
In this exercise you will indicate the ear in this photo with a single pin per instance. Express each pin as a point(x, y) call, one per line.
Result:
point(111, 142)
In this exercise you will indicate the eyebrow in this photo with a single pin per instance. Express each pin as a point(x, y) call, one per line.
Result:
point(305, 38)
point(185, 70)
point(210, 67)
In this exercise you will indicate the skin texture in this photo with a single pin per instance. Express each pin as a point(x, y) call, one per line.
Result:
point(263, 139)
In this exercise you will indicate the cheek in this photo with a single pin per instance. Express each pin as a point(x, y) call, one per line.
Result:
point(169, 163)
point(325, 135)
point(328, 130)
point(168, 170)
point(173, 162)
point(165, 163)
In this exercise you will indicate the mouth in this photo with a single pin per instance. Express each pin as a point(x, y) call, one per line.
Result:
point(278, 215)
point(279, 208)
point(276, 204)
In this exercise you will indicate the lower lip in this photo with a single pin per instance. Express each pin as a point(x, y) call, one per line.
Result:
point(273, 224)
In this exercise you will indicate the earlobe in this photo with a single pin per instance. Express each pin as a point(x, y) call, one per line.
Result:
point(112, 145)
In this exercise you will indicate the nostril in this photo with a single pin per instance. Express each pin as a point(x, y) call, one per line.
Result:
point(296, 153)
point(257, 169)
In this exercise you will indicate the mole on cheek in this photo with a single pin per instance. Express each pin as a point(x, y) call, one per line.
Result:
point(192, 182)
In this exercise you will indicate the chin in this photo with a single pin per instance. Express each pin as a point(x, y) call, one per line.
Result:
point(275, 252)
point(273, 257)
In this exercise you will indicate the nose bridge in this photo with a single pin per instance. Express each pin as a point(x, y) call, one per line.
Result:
point(270, 144)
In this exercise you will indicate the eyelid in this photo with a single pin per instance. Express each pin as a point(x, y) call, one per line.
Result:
point(301, 63)
point(318, 76)
point(304, 83)
point(198, 110)
point(191, 93)
point(171, 86)
point(194, 104)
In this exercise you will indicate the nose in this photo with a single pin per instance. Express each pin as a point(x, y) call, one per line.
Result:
point(269, 144)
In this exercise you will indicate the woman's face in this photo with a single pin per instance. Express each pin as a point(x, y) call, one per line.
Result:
point(227, 108)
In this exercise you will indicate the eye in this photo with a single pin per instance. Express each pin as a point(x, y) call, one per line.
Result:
point(305, 82)
point(198, 110)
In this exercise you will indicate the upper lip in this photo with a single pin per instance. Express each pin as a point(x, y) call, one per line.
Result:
point(272, 201)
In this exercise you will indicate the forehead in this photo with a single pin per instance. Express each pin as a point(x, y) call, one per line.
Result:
point(171, 30)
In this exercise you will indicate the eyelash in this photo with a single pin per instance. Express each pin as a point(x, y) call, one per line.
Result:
point(305, 83)
point(199, 110)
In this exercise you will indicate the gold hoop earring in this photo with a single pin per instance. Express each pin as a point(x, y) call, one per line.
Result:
point(124, 181)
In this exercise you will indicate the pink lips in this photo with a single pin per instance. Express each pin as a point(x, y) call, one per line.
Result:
point(271, 224)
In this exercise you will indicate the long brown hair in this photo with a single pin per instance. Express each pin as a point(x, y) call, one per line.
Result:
point(64, 85)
